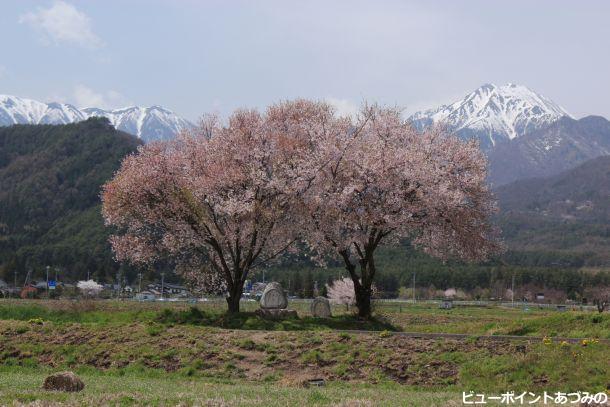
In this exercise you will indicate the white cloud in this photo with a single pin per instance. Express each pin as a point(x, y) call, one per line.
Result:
point(62, 23)
point(86, 97)
point(344, 107)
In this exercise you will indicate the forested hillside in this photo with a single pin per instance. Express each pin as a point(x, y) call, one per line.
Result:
point(550, 150)
point(568, 213)
point(50, 179)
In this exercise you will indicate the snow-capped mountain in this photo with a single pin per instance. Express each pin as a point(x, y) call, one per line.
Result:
point(494, 114)
point(147, 123)
point(14, 110)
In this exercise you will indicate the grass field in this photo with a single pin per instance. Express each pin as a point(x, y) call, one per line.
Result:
point(469, 320)
point(166, 354)
point(167, 389)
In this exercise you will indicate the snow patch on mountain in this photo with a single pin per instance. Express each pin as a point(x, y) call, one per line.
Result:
point(494, 113)
point(156, 122)
point(147, 123)
point(14, 110)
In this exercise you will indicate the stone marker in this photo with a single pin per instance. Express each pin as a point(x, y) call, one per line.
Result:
point(314, 382)
point(64, 381)
point(446, 304)
point(320, 308)
point(274, 303)
point(274, 297)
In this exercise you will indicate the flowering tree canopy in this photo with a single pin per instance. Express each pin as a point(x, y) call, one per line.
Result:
point(341, 292)
point(90, 288)
point(379, 181)
point(227, 198)
point(215, 200)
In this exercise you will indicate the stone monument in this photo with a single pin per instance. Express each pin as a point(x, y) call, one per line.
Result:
point(274, 297)
point(320, 308)
point(274, 303)
point(446, 304)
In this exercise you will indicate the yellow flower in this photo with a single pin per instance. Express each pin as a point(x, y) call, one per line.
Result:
point(385, 334)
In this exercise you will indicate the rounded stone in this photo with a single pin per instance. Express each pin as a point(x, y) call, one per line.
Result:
point(64, 381)
point(320, 308)
point(274, 297)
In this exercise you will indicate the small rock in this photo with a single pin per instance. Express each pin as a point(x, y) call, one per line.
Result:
point(314, 383)
point(64, 381)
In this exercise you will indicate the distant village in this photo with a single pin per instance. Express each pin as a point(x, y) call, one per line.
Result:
point(151, 292)
point(165, 291)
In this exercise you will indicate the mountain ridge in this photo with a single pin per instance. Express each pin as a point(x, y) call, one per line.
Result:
point(493, 114)
point(148, 123)
point(523, 133)
point(560, 146)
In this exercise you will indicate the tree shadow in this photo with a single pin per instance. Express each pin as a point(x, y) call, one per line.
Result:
point(252, 321)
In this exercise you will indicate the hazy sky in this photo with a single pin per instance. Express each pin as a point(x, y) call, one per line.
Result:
point(214, 56)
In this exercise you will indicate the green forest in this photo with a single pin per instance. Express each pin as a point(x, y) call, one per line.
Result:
point(51, 176)
point(50, 180)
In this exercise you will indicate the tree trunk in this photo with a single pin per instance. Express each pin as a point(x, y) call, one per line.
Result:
point(363, 301)
point(235, 292)
point(233, 302)
point(363, 283)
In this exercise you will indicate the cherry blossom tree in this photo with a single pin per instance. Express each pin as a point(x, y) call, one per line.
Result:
point(450, 293)
point(601, 297)
point(89, 288)
point(341, 292)
point(378, 181)
point(228, 198)
point(215, 200)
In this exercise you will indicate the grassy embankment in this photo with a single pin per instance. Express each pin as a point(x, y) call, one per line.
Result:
point(392, 317)
point(162, 354)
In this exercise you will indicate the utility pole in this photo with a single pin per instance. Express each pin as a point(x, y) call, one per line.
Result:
point(512, 291)
point(162, 284)
point(140, 284)
point(15, 278)
point(414, 288)
point(48, 267)
point(88, 278)
point(27, 277)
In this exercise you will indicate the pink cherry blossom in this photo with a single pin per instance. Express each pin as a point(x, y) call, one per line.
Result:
point(214, 200)
point(226, 198)
point(375, 181)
